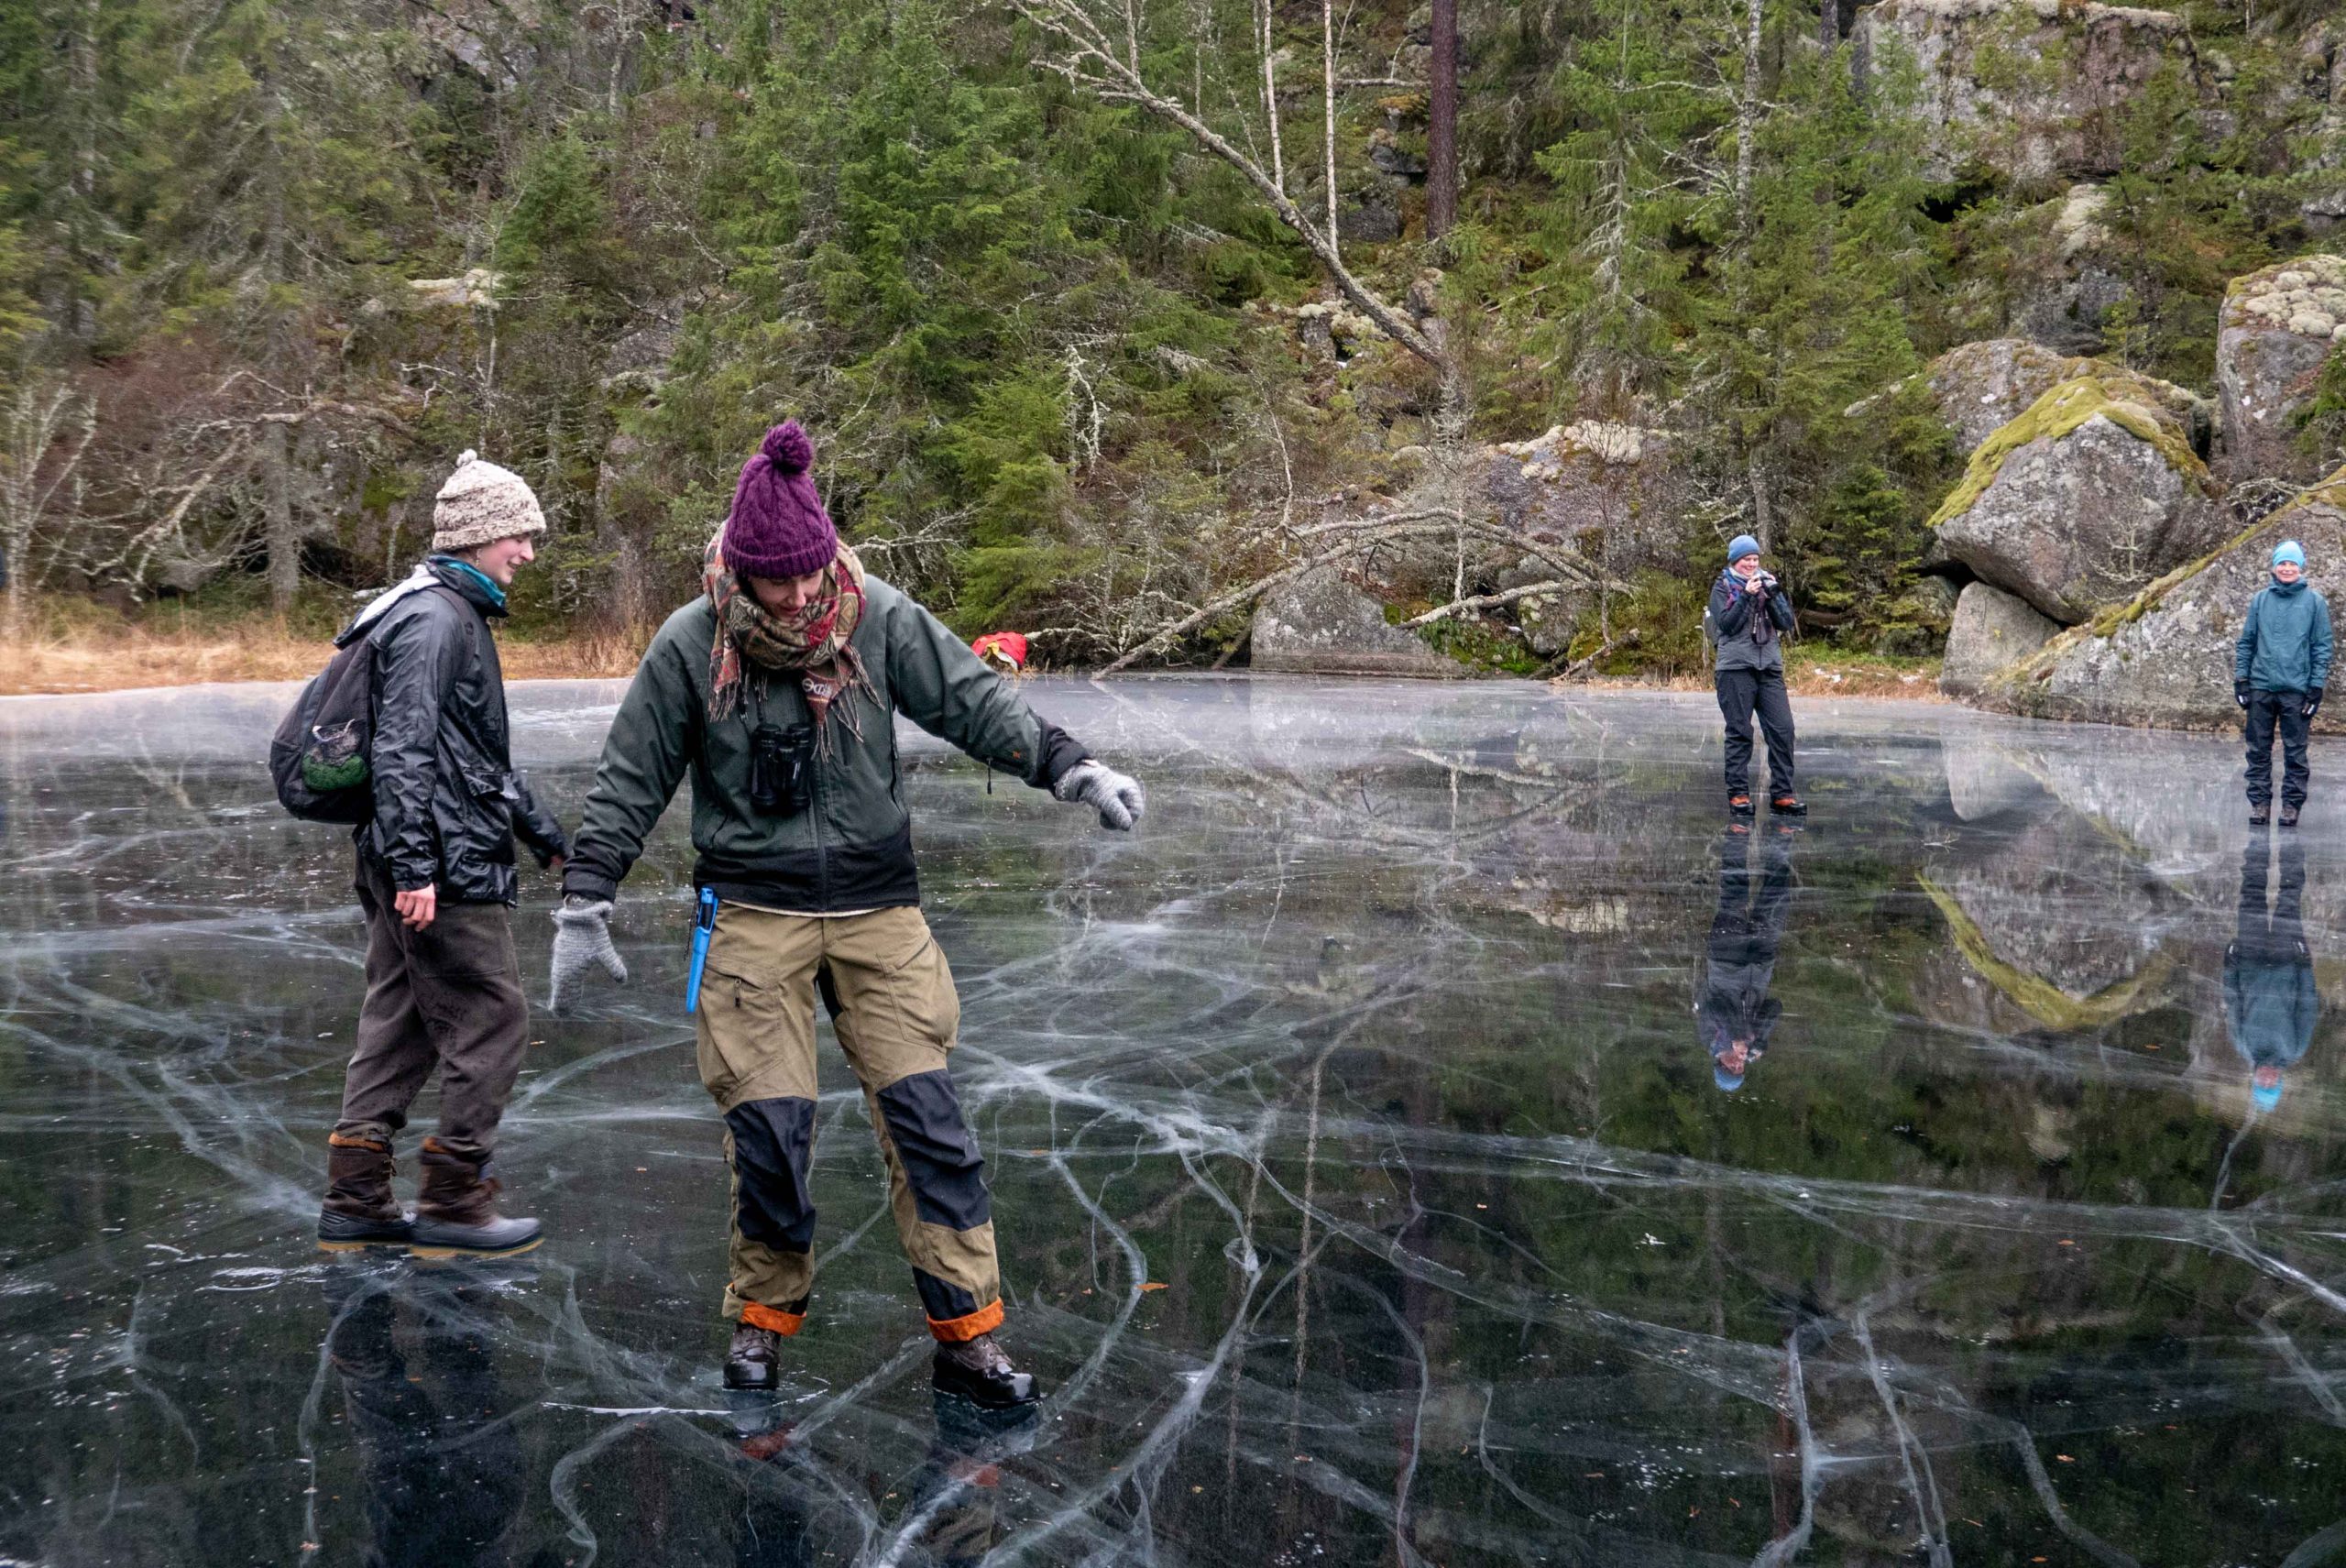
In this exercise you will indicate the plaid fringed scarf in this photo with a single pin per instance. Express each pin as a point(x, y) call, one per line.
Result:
point(817, 641)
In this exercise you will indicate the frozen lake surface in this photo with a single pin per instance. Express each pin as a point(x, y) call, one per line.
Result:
point(1365, 1188)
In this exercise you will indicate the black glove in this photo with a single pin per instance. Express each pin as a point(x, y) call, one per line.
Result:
point(2313, 701)
point(2239, 693)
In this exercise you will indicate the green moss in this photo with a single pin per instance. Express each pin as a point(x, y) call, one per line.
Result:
point(2125, 400)
point(2039, 997)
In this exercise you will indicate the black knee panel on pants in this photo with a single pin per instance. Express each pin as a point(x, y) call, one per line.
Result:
point(773, 1141)
point(941, 1298)
point(941, 1162)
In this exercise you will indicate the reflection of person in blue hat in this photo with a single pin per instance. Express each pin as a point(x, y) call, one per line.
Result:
point(1735, 1015)
point(2270, 1002)
point(2280, 665)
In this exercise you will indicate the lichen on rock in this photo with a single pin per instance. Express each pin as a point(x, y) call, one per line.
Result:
point(2275, 331)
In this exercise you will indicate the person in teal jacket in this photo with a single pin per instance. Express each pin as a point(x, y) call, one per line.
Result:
point(2270, 1002)
point(2279, 668)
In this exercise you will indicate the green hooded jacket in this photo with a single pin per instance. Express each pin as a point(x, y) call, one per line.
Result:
point(850, 846)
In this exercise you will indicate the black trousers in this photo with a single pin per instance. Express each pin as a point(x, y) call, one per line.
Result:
point(1741, 693)
point(2286, 711)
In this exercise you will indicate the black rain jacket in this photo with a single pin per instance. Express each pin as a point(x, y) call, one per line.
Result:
point(447, 801)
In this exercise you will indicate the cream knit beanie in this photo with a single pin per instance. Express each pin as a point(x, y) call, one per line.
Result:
point(482, 503)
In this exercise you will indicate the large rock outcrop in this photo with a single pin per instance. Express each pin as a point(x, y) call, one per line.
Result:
point(2028, 88)
point(1992, 629)
point(2164, 657)
point(1319, 624)
point(2087, 496)
point(2272, 340)
point(1981, 387)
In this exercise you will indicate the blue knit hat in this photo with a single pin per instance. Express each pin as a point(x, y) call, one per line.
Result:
point(2291, 551)
point(1742, 544)
point(1729, 1081)
point(2268, 1099)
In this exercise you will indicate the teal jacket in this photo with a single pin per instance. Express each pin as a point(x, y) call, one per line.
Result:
point(2284, 642)
point(850, 846)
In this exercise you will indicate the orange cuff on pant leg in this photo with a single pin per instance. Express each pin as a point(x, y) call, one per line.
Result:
point(345, 1141)
point(759, 1316)
point(984, 1320)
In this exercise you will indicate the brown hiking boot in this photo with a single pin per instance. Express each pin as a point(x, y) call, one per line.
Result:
point(979, 1371)
point(457, 1214)
point(1785, 803)
point(2259, 814)
point(359, 1211)
point(753, 1361)
point(2288, 817)
point(1740, 804)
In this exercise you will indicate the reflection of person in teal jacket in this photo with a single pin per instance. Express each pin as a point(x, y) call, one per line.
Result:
point(2270, 1002)
point(1734, 1013)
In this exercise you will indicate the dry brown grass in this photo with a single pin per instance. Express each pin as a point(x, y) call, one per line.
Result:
point(124, 657)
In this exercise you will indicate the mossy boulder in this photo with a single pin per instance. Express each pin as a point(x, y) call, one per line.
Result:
point(2088, 494)
point(2164, 657)
point(2275, 333)
point(1981, 387)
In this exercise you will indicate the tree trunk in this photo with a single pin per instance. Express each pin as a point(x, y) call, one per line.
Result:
point(276, 492)
point(80, 317)
point(1271, 97)
point(1328, 123)
point(1747, 122)
point(1441, 124)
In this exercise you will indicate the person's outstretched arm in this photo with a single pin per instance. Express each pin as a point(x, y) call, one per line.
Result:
point(949, 691)
point(644, 758)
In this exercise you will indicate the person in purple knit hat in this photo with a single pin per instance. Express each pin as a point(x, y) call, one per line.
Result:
point(777, 690)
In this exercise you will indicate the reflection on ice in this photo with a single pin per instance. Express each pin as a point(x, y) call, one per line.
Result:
point(1361, 1195)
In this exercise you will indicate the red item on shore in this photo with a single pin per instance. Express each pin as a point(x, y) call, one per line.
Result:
point(1002, 648)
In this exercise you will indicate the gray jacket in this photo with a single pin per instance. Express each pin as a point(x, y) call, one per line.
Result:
point(1749, 638)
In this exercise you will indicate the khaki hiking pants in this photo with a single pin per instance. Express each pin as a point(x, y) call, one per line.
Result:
point(885, 984)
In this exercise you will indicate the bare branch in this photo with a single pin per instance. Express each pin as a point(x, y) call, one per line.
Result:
point(1486, 601)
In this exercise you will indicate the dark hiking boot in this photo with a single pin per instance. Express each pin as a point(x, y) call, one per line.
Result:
point(753, 1361)
point(457, 1214)
point(359, 1211)
point(979, 1371)
point(2288, 817)
point(1787, 804)
point(2260, 812)
point(1740, 804)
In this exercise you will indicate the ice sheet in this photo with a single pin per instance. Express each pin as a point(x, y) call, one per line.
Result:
point(1364, 1186)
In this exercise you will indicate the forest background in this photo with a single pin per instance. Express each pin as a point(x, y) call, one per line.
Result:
point(1102, 316)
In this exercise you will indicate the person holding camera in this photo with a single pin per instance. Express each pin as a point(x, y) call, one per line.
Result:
point(777, 690)
point(1750, 613)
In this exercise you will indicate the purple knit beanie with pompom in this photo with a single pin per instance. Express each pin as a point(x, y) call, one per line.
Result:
point(778, 526)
